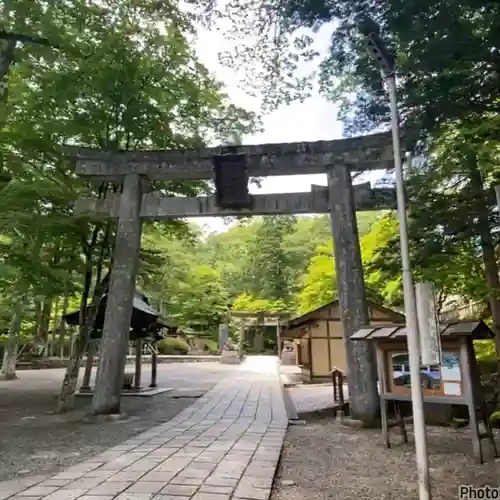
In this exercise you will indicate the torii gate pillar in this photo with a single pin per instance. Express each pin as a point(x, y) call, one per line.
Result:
point(362, 375)
point(116, 328)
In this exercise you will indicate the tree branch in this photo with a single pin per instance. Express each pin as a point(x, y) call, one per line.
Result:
point(26, 39)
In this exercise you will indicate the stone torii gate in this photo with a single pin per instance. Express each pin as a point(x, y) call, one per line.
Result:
point(134, 170)
point(261, 318)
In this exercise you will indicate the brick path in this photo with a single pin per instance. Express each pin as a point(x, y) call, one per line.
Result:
point(225, 446)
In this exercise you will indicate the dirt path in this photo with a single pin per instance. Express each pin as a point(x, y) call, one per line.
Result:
point(326, 460)
point(33, 440)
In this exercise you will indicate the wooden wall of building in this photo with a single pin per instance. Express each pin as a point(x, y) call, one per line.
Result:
point(322, 346)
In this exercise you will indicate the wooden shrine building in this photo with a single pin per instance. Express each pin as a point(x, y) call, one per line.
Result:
point(319, 337)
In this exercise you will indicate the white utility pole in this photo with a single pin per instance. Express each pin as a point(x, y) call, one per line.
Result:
point(387, 63)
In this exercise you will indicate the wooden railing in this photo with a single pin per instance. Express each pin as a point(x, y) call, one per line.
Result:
point(338, 385)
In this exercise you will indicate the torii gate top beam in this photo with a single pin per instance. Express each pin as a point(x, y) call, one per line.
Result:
point(262, 318)
point(253, 314)
point(369, 152)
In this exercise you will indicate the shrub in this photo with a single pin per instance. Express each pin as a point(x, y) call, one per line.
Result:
point(173, 346)
point(485, 349)
point(211, 347)
point(495, 418)
point(487, 358)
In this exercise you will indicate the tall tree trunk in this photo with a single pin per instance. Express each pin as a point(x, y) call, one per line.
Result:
point(481, 206)
point(65, 400)
point(87, 318)
point(43, 331)
point(62, 325)
point(55, 322)
point(6, 60)
point(491, 271)
point(10, 353)
point(38, 317)
point(73, 335)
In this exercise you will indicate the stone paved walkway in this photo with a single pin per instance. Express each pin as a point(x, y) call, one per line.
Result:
point(225, 446)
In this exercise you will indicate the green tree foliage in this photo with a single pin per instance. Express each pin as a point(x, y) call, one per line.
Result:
point(447, 55)
point(455, 271)
point(254, 266)
point(173, 346)
point(114, 75)
point(450, 240)
point(228, 252)
point(319, 282)
point(448, 65)
point(269, 265)
point(188, 291)
point(250, 303)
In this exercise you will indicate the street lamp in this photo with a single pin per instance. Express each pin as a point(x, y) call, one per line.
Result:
point(387, 63)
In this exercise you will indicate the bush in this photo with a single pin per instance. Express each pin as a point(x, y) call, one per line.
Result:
point(211, 347)
point(495, 418)
point(487, 358)
point(173, 346)
point(488, 363)
point(485, 350)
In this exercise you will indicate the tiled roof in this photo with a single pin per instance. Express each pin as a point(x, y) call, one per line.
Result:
point(478, 330)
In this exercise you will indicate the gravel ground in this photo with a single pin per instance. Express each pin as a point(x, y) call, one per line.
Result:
point(326, 460)
point(33, 440)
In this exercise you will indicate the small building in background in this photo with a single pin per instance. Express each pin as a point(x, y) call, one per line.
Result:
point(319, 338)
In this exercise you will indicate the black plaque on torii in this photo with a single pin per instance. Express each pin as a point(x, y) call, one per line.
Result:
point(231, 179)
